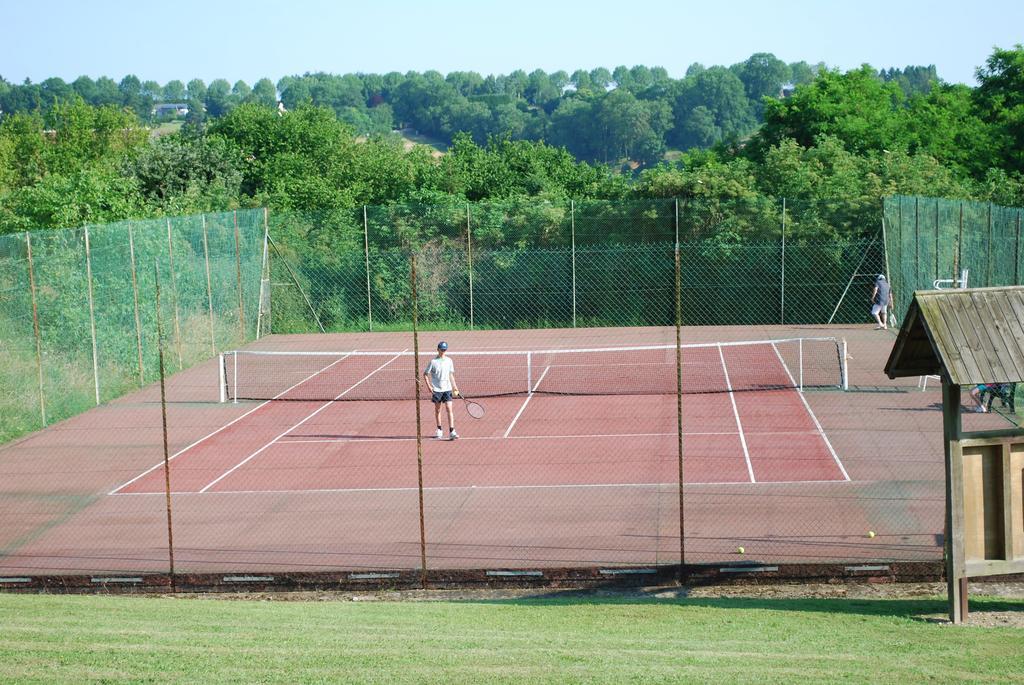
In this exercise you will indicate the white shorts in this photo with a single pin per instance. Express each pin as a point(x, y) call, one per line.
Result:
point(875, 308)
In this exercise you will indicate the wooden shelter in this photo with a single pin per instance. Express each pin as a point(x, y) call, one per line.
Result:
point(972, 337)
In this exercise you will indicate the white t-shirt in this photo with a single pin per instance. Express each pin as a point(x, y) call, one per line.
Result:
point(440, 370)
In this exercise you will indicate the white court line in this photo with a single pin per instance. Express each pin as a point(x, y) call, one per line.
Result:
point(320, 409)
point(226, 425)
point(810, 412)
point(527, 401)
point(286, 441)
point(736, 412)
point(450, 488)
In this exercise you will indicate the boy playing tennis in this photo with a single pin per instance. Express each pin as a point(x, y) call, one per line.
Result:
point(440, 378)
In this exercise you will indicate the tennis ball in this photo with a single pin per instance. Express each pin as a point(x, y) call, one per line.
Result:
point(739, 550)
point(871, 533)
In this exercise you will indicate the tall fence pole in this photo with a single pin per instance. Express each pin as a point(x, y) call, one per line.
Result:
point(238, 271)
point(958, 260)
point(679, 400)
point(135, 298)
point(209, 289)
point(263, 311)
point(988, 259)
point(917, 242)
point(174, 297)
point(469, 256)
point(1016, 254)
point(35, 327)
point(366, 257)
point(572, 238)
point(92, 318)
point(163, 422)
point(782, 284)
point(419, 420)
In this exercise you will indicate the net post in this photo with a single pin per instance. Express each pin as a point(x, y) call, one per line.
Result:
point(366, 258)
point(222, 381)
point(782, 279)
point(469, 254)
point(135, 297)
point(419, 419)
point(163, 422)
point(238, 271)
point(843, 369)
point(209, 289)
point(529, 373)
point(234, 356)
point(35, 327)
point(174, 297)
point(572, 239)
point(92, 318)
point(800, 347)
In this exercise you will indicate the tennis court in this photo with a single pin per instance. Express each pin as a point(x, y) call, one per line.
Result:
point(574, 464)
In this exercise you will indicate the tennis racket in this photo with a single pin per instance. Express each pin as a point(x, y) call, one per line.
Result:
point(474, 409)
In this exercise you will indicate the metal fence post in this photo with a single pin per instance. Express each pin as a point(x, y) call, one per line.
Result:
point(366, 257)
point(209, 289)
point(572, 238)
point(135, 298)
point(782, 287)
point(988, 259)
point(92, 318)
point(35, 327)
point(469, 260)
point(174, 297)
point(1016, 254)
point(263, 311)
point(238, 271)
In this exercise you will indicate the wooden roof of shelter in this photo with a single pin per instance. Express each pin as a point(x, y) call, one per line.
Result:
point(968, 336)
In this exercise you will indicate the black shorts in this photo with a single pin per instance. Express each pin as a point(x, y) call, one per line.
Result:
point(439, 397)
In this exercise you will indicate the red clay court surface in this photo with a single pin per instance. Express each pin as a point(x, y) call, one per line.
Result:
point(541, 480)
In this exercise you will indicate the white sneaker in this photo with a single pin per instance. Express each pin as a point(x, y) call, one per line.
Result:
point(980, 410)
point(453, 435)
point(438, 434)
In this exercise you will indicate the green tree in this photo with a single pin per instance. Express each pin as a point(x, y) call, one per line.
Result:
point(264, 93)
point(1000, 99)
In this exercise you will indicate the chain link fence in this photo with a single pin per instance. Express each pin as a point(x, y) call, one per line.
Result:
point(76, 308)
point(932, 239)
point(564, 265)
point(790, 449)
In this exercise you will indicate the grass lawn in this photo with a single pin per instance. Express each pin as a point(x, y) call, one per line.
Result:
point(568, 640)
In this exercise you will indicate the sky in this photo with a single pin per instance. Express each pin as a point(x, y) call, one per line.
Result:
point(249, 40)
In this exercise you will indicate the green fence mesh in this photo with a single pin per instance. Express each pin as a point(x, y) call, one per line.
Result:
point(596, 263)
point(94, 304)
point(932, 239)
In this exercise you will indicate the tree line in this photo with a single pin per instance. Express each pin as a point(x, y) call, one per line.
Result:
point(622, 115)
point(842, 138)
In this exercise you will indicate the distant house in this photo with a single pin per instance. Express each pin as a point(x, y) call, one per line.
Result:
point(178, 109)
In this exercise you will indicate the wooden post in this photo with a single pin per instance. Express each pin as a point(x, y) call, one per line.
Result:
point(35, 328)
point(988, 259)
point(92, 318)
point(419, 420)
point(679, 404)
point(954, 525)
point(135, 297)
point(163, 420)
point(209, 289)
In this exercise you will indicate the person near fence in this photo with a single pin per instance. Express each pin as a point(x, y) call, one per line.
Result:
point(440, 378)
point(881, 300)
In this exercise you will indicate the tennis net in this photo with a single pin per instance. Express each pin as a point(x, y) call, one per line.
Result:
point(797, 363)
